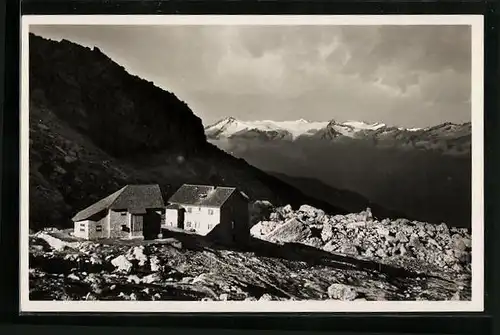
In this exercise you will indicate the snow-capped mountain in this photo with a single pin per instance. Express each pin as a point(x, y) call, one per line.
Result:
point(380, 133)
point(230, 126)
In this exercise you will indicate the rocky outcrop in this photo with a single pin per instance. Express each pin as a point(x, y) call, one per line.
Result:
point(409, 244)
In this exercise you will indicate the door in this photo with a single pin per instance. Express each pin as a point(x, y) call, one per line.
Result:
point(180, 218)
point(151, 225)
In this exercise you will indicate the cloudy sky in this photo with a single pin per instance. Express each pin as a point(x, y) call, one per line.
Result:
point(410, 76)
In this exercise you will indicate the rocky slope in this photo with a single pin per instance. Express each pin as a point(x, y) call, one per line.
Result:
point(423, 173)
point(294, 255)
point(94, 128)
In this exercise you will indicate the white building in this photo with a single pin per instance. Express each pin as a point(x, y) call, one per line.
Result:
point(208, 210)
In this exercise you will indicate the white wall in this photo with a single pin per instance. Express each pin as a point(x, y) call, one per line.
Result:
point(171, 217)
point(201, 219)
point(116, 220)
point(98, 229)
point(80, 229)
point(90, 230)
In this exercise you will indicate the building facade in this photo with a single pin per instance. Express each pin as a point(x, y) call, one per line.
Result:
point(134, 211)
point(221, 212)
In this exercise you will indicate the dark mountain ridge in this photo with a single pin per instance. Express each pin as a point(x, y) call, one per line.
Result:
point(94, 128)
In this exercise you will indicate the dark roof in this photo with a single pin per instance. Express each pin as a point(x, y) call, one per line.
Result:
point(134, 198)
point(202, 195)
point(174, 206)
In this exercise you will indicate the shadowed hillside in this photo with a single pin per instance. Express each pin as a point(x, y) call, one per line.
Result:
point(423, 184)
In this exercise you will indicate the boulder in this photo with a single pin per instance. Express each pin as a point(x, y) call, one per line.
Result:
point(402, 221)
point(415, 241)
point(311, 211)
point(274, 216)
point(152, 278)
point(293, 230)
point(315, 242)
point(74, 277)
point(458, 243)
point(121, 263)
point(266, 297)
point(349, 249)
point(381, 253)
point(155, 264)
point(383, 231)
point(330, 246)
point(139, 255)
point(356, 225)
point(443, 228)
point(327, 232)
point(401, 237)
point(342, 292)
point(455, 296)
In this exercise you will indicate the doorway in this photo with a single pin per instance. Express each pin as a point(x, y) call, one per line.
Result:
point(152, 225)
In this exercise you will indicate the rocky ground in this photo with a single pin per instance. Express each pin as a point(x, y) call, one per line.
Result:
point(293, 255)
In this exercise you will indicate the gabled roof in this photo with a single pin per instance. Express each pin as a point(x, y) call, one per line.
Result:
point(134, 198)
point(201, 195)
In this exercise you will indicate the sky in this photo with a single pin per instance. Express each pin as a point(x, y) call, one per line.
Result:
point(412, 76)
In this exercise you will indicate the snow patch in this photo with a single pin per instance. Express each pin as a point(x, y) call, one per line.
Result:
point(230, 126)
point(364, 126)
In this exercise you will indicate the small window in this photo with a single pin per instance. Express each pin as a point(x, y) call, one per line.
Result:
point(210, 212)
point(98, 228)
point(83, 225)
point(199, 209)
point(189, 209)
point(82, 230)
point(210, 226)
point(123, 213)
point(125, 228)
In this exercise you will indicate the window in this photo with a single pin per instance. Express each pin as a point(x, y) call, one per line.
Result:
point(189, 209)
point(82, 230)
point(210, 226)
point(98, 228)
point(123, 213)
point(82, 225)
point(210, 211)
point(199, 209)
point(125, 228)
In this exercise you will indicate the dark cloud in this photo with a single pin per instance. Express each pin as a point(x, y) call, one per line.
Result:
point(403, 75)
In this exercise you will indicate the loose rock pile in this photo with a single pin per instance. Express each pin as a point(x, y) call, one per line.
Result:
point(360, 235)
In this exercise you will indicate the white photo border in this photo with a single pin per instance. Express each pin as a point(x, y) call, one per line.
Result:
point(476, 304)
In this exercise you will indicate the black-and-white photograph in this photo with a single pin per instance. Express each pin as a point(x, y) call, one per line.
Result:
point(261, 162)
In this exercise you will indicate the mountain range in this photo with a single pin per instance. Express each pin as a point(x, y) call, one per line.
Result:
point(448, 138)
point(424, 173)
